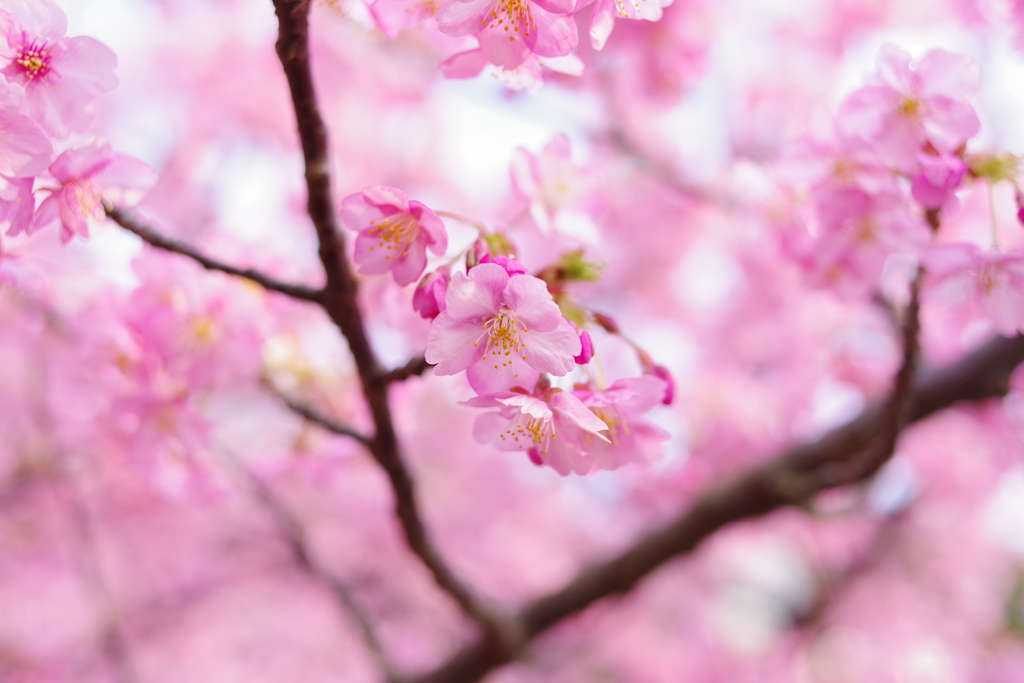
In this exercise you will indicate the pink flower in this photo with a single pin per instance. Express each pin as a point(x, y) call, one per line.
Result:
point(857, 232)
point(61, 76)
point(905, 108)
point(510, 31)
point(394, 232)
point(630, 438)
point(993, 280)
point(88, 175)
point(555, 188)
point(551, 428)
point(503, 330)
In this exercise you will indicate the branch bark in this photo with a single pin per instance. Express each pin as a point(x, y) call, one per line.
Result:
point(154, 238)
point(339, 301)
point(327, 423)
point(790, 478)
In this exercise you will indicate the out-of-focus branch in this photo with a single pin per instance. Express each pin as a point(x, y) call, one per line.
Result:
point(792, 477)
point(148, 234)
point(113, 642)
point(327, 423)
point(339, 301)
point(415, 366)
point(298, 545)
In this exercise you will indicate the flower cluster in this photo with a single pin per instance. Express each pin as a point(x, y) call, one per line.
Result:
point(514, 35)
point(505, 329)
point(48, 92)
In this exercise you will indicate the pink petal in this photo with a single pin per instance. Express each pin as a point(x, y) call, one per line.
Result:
point(511, 371)
point(529, 298)
point(432, 226)
point(463, 17)
point(478, 296)
point(464, 64)
point(572, 409)
point(946, 73)
point(408, 269)
point(24, 148)
point(552, 352)
point(555, 35)
point(453, 345)
point(387, 198)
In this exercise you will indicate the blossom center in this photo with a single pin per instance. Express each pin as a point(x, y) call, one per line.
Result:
point(394, 234)
point(909, 107)
point(503, 339)
point(508, 15)
point(532, 433)
point(618, 424)
point(33, 59)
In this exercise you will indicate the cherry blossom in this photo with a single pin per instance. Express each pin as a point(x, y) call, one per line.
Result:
point(630, 437)
point(61, 76)
point(503, 330)
point(394, 232)
point(510, 31)
point(89, 175)
point(906, 108)
point(992, 280)
point(552, 428)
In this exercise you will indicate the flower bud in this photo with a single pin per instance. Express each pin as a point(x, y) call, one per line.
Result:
point(588, 349)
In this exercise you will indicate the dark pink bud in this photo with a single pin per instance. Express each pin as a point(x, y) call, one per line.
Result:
point(588, 349)
point(511, 266)
point(429, 297)
point(1020, 206)
point(535, 456)
point(661, 372)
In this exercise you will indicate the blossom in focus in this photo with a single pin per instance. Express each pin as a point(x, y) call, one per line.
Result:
point(88, 175)
point(550, 428)
point(504, 330)
point(394, 232)
point(61, 76)
point(630, 437)
point(906, 108)
point(510, 31)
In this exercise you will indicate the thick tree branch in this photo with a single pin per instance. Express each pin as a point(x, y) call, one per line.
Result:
point(339, 301)
point(148, 234)
point(790, 478)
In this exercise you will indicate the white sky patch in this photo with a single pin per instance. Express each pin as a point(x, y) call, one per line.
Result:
point(1003, 521)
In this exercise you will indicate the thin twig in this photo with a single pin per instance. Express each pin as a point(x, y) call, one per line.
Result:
point(339, 301)
point(295, 536)
point(981, 375)
point(154, 238)
point(415, 366)
point(327, 423)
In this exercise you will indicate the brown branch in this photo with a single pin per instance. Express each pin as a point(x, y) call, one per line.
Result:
point(327, 423)
point(415, 366)
point(154, 238)
point(339, 301)
point(298, 545)
point(981, 375)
